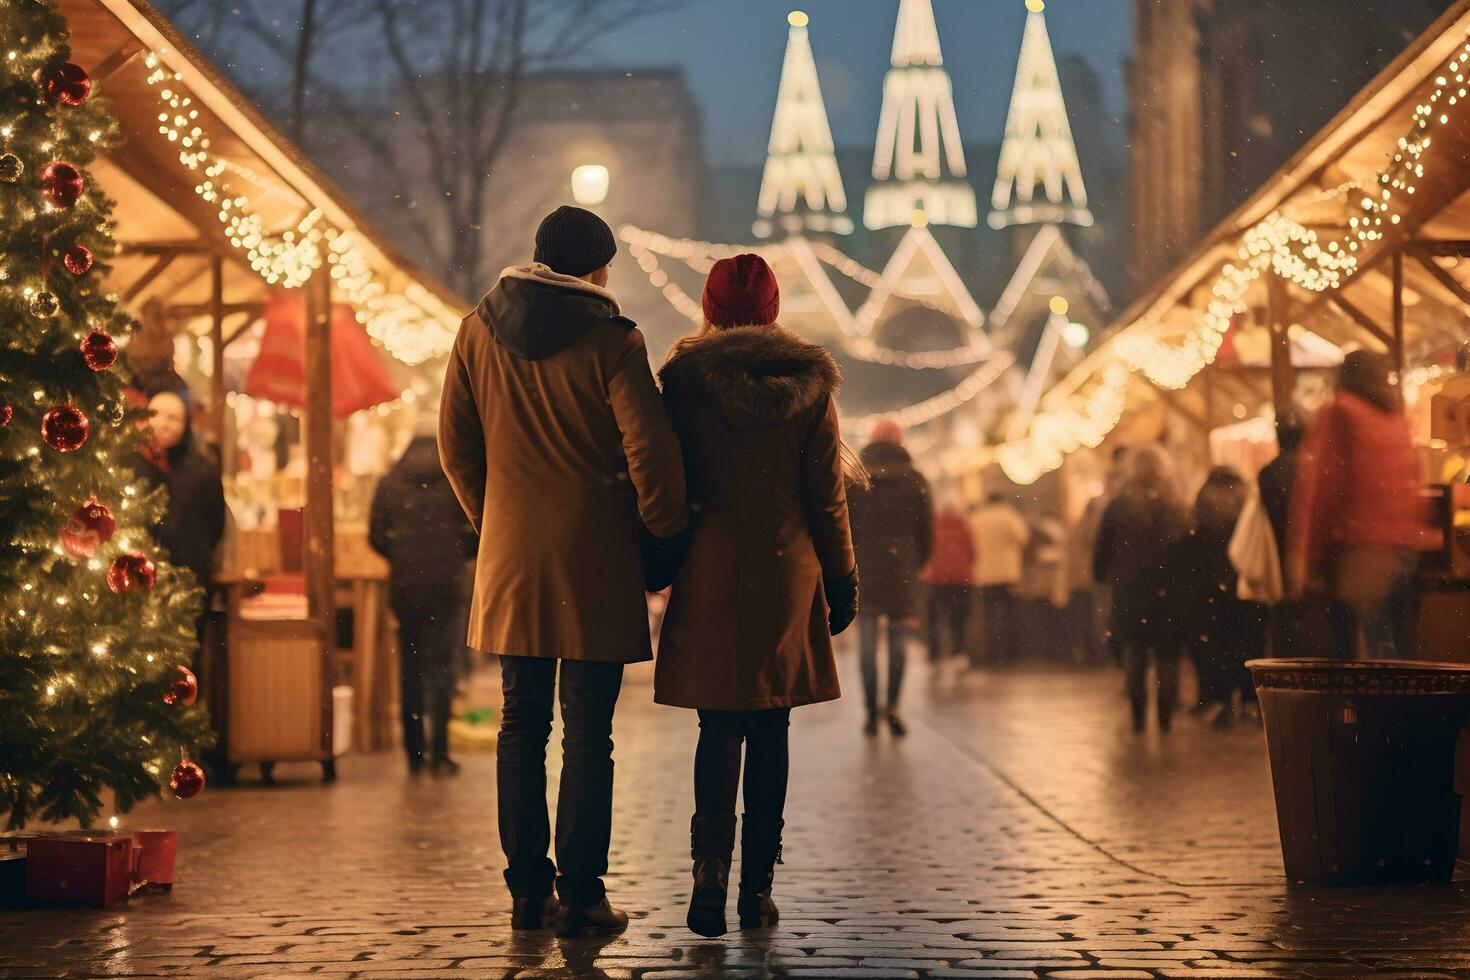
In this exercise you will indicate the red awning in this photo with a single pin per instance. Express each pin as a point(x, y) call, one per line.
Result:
point(359, 377)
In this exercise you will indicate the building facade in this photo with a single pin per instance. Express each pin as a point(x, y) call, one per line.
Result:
point(1223, 92)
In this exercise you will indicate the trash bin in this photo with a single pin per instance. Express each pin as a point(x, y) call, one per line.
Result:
point(1363, 766)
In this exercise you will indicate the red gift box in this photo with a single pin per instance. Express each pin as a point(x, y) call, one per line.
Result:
point(156, 850)
point(82, 869)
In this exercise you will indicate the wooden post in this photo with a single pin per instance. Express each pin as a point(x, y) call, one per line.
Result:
point(317, 437)
point(1283, 376)
point(1397, 348)
point(217, 357)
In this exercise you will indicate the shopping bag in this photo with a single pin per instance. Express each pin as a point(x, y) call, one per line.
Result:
point(1254, 555)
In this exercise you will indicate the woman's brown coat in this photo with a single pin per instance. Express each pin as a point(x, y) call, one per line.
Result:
point(746, 627)
point(553, 436)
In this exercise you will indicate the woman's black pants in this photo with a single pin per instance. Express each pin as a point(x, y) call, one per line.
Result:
point(767, 762)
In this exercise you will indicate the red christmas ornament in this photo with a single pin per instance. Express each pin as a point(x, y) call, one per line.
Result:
point(99, 350)
point(65, 428)
point(184, 689)
point(77, 259)
point(131, 571)
point(62, 183)
point(6, 414)
point(88, 529)
point(65, 83)
point(187, 779)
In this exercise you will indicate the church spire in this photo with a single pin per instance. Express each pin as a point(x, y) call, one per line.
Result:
point(801, 189)
point(919, 161)
point(1039, 180)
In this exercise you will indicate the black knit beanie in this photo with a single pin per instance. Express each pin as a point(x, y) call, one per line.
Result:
point(574, 241)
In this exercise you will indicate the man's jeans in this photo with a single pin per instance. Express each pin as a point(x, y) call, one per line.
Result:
point(868, 659)
point(589, 693)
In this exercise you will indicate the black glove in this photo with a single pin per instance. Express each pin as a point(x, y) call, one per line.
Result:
point(663, 557)
point(842, 601)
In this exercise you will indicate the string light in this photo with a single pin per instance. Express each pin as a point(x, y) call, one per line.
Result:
point(414, 326)
point(1278, 245)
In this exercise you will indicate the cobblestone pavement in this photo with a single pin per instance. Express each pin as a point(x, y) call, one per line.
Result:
point(1019, 831)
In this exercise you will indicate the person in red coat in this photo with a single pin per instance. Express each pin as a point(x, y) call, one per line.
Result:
point(1358, 515)
point(948, 578)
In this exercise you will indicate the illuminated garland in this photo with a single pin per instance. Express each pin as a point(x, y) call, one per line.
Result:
point(401, 323)
point(1277, 244)
point(645, 247)
point(942, 404)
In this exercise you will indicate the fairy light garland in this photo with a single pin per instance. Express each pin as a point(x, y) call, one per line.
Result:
point(405, 324)
point(942, 404)
point(1277, 244)
point(645, 247)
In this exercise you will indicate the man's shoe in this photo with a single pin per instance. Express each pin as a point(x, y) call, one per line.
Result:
point(870, 727)
point(590, 922)
point(445, 767)
point(896, 725)
point(529, 914)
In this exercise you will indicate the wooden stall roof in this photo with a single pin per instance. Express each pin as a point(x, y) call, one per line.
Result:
point(170, 234)
point(1320, 189)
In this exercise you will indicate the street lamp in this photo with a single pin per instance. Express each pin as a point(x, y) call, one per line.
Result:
point(589, 184)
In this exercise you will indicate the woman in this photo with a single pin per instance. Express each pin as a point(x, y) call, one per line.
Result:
point(1358, 514)
point(770, 574)
point(1137, 530)
point(194, 521)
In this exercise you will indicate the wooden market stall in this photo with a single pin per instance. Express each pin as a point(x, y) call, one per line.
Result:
point(218, 216)
point(1362, 239)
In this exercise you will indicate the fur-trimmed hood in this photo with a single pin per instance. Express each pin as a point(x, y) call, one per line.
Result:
point(759, 376)
point(534, 312)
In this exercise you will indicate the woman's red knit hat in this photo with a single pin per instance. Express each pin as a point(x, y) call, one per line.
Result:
point(741, 291)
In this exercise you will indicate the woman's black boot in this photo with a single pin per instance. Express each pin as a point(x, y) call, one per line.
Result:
point(712, 844)
point(760, 852)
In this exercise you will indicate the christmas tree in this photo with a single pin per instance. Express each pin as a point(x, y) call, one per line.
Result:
point(94, 627)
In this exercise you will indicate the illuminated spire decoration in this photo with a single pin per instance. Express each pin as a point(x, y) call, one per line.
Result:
point(801, 189)
point(919, 162)
point(1039, 180)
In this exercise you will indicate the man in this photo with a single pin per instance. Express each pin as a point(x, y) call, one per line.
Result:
point(1000, 534)
point(556, 442)
point(1277, 482)
point(416, 524)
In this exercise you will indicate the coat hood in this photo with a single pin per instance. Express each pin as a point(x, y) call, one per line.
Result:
point(534, 312)
point(759, 376)
point(885, 458)
point(420, 461)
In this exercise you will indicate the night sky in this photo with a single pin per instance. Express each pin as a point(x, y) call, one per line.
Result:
point(732, 51)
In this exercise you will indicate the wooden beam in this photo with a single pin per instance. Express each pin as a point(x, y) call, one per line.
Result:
point(317, 437)
point(1396, 348)
point(188, 310)
point(1283, 374)
point(1429, 246)
point(1360, 318)
point(217, 353)
point(192, 246)
point(1170, 398)
point(146, 279)
point(114, 62)
point(1443, 277)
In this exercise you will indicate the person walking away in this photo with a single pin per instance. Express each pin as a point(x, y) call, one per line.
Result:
point(555, 439)
point(1276, 483)
point(893, 531)
point(1000, 534)
point(1138, 528)
point(1040, 591)
point(948, 578)
point(1358, 515)
point(1199, 601)
point(770, 576)
point(416, 523)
